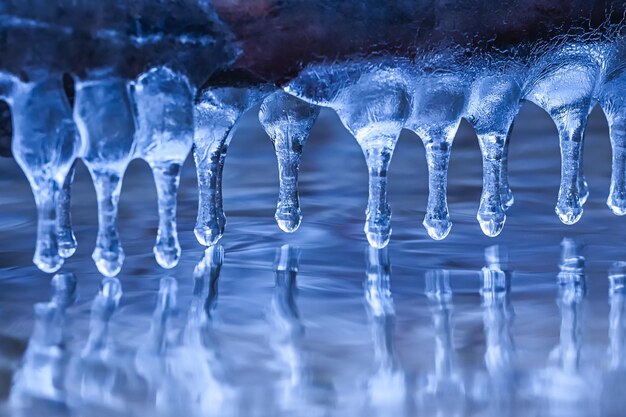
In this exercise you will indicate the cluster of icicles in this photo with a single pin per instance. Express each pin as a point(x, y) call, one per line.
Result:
point(160, 115)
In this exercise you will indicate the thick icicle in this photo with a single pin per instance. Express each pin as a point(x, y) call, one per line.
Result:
point(288, 121)
point(438, 104)
point(374, 110)
point(65, 232)
point(493, 104)
point(164, 106)
point(564, 86)
point(104, 117)
point(613, 102)
point(45, 144)
point(386, 388)
point(216, 114)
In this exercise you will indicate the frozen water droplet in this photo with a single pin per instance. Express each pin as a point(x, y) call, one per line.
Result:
point(216, 115)
point(491, 215)
point(164, 105)
point(65, 233)
point(437, 220)
point(45, 144)
point(288, 121)
point(104, 116)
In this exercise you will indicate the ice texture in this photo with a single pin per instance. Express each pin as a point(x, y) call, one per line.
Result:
point(107, 83)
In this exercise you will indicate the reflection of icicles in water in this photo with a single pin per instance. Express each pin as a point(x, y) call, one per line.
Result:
point(182, 376)
point(497, 320)
point(288, 121)
point(93, 373)
point(45, 144)
point(287, 330)
point(164, 105)
point(216, 115)
point(104, 117)
point(613, 401)
point(443, 391)
point(387, 387)
point(568, 388)
point(42, 374)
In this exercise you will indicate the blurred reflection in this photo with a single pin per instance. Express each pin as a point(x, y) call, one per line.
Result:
point(498, 315)
point(386, 388)
point(182, 377)
point(42, 374)
point(443, 391)
point(568, 389)
point(93, 372)
point(613, 399)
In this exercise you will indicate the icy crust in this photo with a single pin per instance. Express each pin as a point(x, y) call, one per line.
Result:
point(152, 79)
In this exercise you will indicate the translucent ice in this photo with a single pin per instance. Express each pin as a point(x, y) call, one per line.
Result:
point(164, 107)
point(288, 121)
point(45, 144)
point(617, 322)
point(65, 232)
point(104, 117)
point(216, 114)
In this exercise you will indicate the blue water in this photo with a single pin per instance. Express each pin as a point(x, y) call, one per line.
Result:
point(309, 343)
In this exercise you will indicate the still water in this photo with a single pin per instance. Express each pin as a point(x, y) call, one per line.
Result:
point(530, 323)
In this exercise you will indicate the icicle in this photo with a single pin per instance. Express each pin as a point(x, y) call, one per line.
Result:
point(206, 275)
point(571, 125)
point(617, 194)
point(164, 105)
point(506, 194)
point(288, 121)
point(493, 104)
point(617, 324)
point(104, 305)
point(437, 219)
point(375, 111)
point(103, 114)
point(386, 388)
point(65, 233)
point(45, 145)
point(216, 114)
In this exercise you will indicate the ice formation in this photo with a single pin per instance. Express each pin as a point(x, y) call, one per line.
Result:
point(149, 80)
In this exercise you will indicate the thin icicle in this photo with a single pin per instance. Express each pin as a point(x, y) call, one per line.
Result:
point(103, 114)
point(437, 219)
point(65, 232)
point(571, 125)
point(288, 121)
point(491, 213)
point(216, 114)
point(506, 194)
point(45, 144)
point(164, 105)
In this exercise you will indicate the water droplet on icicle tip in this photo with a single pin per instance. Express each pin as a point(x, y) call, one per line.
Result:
point(65, 232)
point(164, 104)
point(45, 144)
point(103, 112)
point(288, 121)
